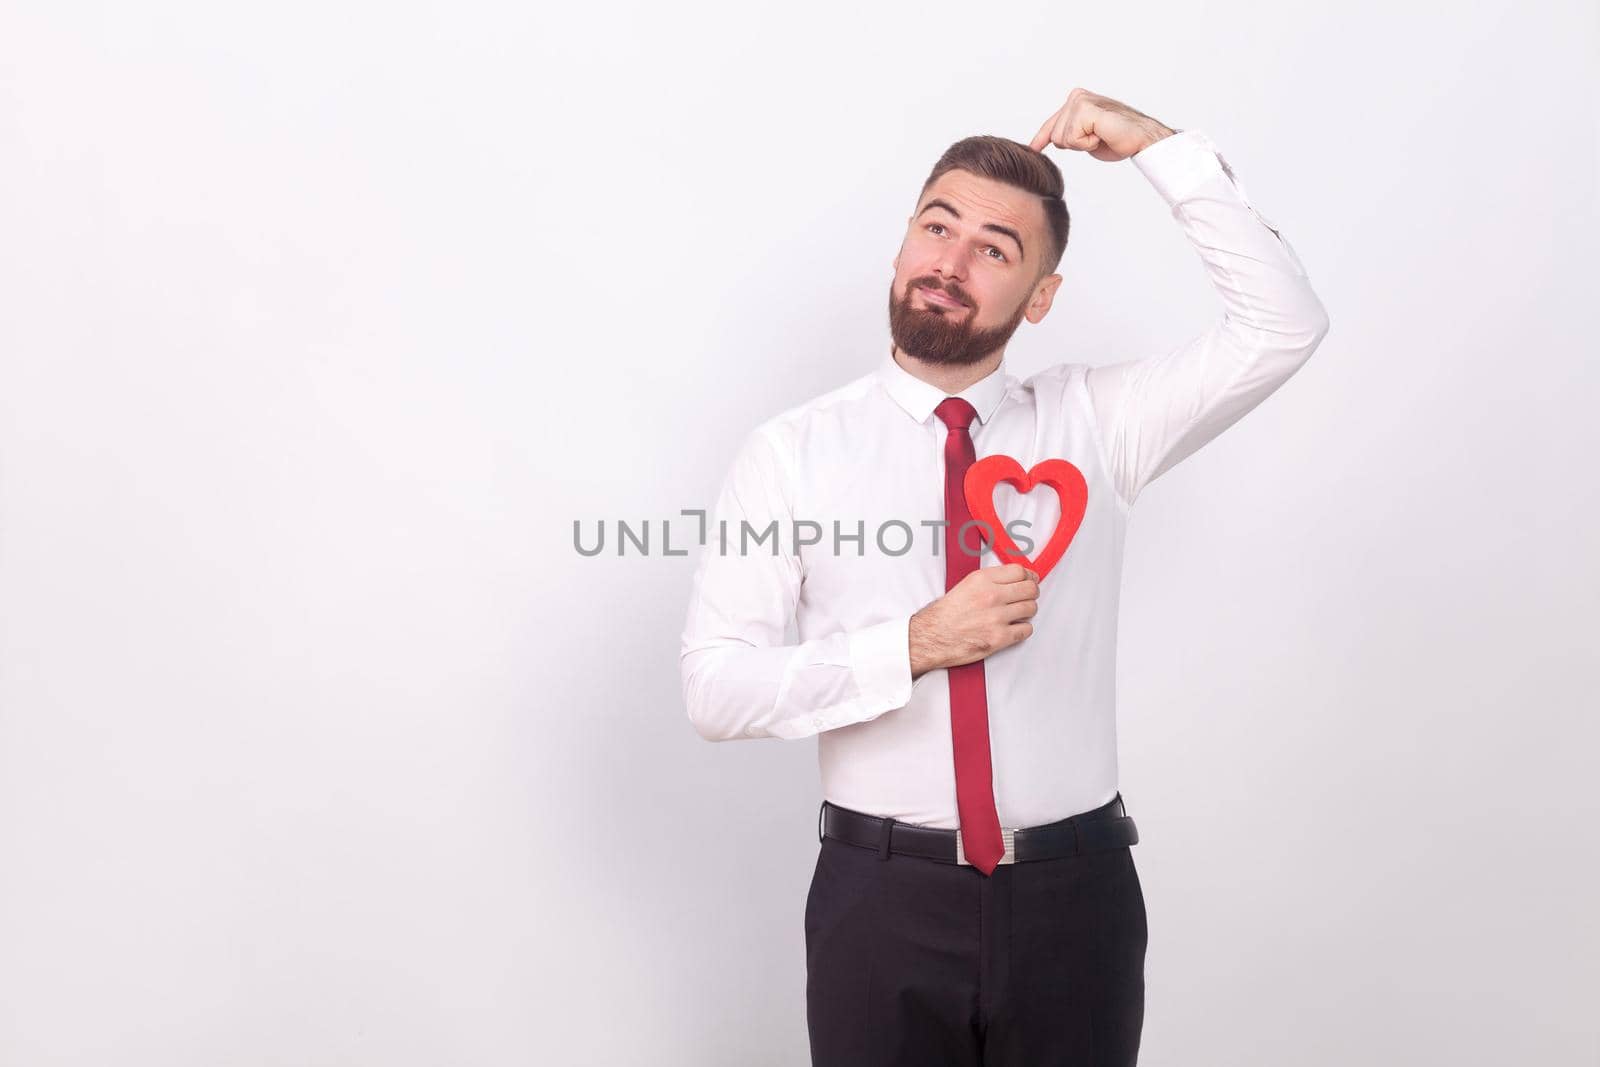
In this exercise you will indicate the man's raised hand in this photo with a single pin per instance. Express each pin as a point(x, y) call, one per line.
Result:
point(1107, 129)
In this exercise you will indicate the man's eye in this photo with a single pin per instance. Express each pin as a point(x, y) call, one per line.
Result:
point(991, 248)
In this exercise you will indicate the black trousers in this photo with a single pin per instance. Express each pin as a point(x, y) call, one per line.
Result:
point(914, 962)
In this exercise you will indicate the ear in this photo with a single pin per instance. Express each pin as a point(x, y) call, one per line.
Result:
point(1043, 295)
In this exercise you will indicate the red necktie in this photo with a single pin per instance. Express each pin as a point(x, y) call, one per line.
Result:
point(969, 702)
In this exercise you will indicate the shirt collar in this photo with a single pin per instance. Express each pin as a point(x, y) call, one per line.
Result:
point(919, 398)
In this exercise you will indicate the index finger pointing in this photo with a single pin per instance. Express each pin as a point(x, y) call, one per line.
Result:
point(1042, 138)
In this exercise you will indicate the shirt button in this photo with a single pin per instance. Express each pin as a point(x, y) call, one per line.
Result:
point(818, 721)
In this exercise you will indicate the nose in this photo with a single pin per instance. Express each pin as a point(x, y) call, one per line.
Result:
point(948, 269)
point(947, 264)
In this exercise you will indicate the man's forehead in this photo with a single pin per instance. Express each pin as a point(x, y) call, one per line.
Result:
point(995, 200)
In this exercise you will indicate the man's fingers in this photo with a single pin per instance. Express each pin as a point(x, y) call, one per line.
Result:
point(1072, 126)
point(1021, 609)
point(1011, 572)
point(1019, 591)
point(1080, 133)
point(1042, 138)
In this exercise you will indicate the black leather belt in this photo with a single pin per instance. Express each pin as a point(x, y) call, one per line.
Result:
point(1106, 827)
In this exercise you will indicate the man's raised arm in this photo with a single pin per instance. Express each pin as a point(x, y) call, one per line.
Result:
point(1154, 412)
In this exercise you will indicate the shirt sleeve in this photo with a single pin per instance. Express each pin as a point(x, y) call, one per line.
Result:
point(739, 678)
point(1156, 411)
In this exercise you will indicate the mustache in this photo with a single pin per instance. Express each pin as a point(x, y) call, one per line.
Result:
point(952, 291)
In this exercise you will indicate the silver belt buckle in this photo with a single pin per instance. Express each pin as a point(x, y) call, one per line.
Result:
point(1007, 839)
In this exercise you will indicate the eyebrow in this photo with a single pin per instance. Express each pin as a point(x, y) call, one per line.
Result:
point(1007, 230)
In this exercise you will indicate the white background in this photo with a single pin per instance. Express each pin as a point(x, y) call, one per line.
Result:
point(321, 324)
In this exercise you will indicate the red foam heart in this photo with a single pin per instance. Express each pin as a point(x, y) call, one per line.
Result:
point(1071, 489)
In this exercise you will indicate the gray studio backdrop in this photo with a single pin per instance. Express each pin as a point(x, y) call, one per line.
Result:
point(321, 744)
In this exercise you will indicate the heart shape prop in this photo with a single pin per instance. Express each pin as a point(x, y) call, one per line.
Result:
point(1071, 489)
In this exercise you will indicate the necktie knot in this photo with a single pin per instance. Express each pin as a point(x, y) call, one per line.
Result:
point(955, 413)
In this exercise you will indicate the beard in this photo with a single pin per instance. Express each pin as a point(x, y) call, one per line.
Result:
point(943, 335)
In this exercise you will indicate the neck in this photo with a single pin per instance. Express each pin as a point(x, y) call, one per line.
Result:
point(948, 377)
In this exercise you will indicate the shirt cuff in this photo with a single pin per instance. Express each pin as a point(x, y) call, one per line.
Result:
point(1179, 164)
point(880, 659)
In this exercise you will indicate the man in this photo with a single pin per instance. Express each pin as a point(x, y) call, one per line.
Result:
point(975, 899)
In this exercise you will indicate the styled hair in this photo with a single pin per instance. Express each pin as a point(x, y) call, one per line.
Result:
point(1013, 163)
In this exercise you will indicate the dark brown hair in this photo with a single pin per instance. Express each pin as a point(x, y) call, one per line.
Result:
point(1014, 163)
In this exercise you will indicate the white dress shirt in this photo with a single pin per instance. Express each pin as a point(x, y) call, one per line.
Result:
point(791, 639)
